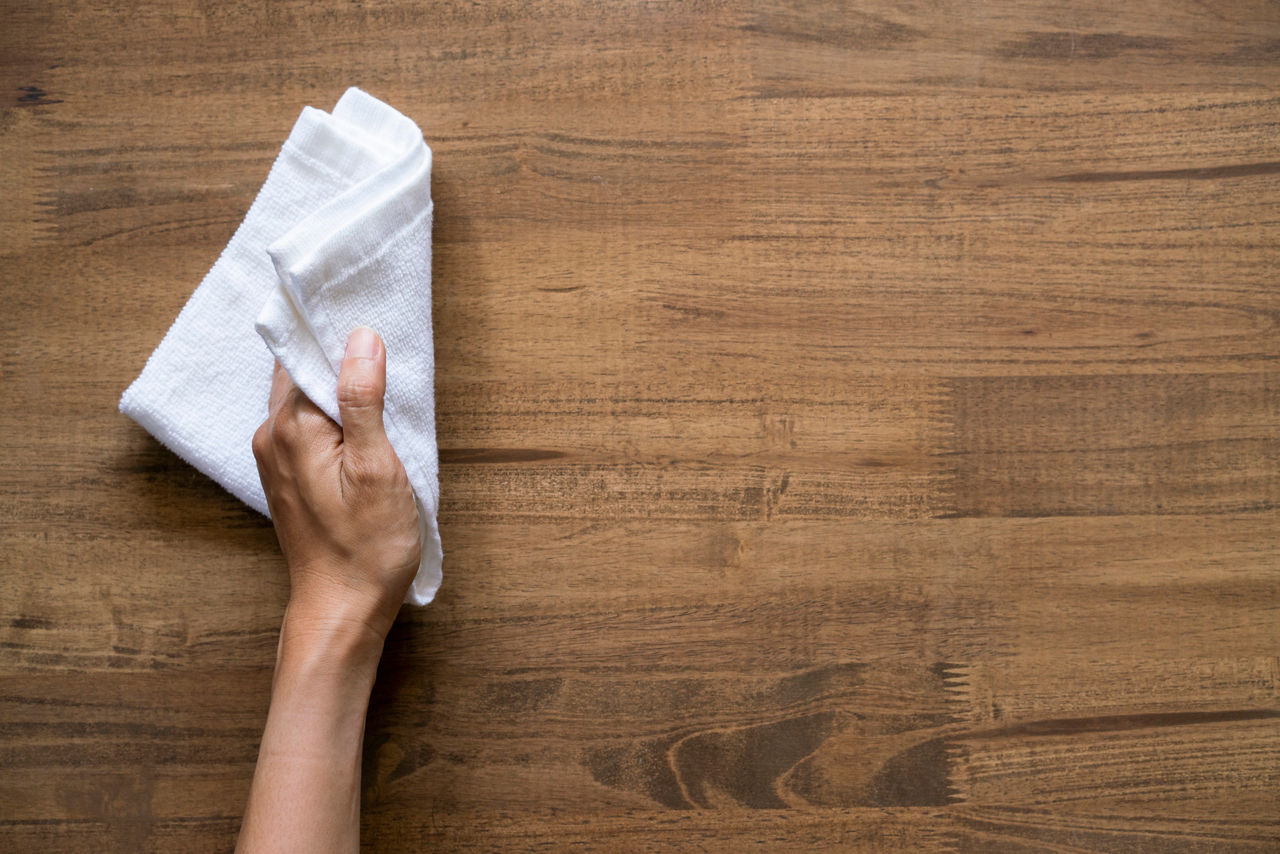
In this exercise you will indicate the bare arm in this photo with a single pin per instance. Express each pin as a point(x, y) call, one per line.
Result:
point(348, 527)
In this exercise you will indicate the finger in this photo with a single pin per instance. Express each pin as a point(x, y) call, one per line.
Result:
point(297, 427)
point(281, 383)
point(290, 408)
point(362, 382)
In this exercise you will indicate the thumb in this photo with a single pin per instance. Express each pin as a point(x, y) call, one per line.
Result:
point(362, 382)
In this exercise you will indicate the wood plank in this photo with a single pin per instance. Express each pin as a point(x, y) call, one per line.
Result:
point(858, 424)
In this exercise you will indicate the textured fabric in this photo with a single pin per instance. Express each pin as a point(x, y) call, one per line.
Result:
point(338, 237)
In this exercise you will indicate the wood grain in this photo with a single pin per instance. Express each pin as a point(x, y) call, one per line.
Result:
point(859, 424)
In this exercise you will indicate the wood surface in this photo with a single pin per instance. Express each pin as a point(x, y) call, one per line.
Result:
point(860, 424)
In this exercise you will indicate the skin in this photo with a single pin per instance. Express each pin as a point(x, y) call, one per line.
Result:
point(348, 527)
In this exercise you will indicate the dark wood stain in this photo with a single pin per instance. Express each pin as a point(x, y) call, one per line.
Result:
point(743, 764)
point(1206, 173)
point(34, 96)
point(853, 30)
point(1083, 45)
point(1121, 723)
point(645, 768)
point(470, 456)
point(916, 777)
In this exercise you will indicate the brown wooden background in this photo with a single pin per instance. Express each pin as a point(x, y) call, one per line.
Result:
point(860, 424)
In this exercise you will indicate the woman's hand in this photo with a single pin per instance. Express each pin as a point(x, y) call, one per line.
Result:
point(342, 505)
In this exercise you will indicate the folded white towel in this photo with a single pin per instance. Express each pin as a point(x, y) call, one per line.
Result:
point(338, 237)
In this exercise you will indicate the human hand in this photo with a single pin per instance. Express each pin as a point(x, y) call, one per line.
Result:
point(340, 499)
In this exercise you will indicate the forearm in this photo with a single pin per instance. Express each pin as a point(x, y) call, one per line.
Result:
point(306, 790)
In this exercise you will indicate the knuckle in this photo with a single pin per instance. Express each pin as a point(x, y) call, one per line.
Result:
point(285, 432)
point(262, 442)
point(357, 390)
point(297, 419)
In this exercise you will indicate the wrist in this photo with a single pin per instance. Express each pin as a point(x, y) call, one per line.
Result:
point(335, 592)
point(328, 643)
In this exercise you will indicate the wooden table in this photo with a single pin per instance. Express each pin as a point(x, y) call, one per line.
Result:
point(860, 424)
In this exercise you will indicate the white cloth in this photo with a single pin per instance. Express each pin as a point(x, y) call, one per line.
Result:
point(338, 237)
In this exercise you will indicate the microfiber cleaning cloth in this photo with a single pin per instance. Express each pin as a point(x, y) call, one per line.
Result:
point(339, 236)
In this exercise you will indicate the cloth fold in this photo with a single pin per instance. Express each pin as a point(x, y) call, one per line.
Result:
point(339, 236)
